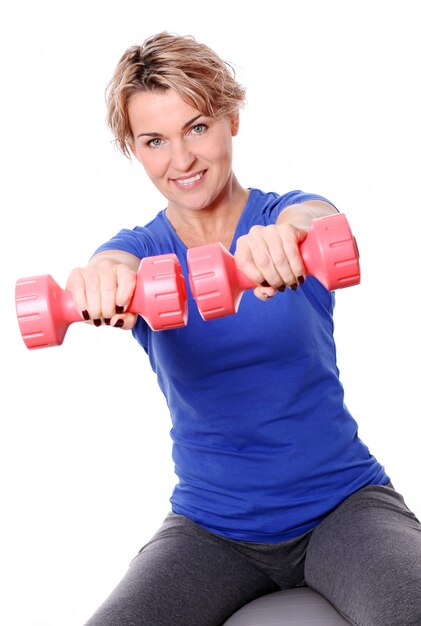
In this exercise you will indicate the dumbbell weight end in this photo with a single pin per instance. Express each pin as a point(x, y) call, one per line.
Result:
point(215, 281)
point(330, 252)
point(160, 295)
point(44, 311)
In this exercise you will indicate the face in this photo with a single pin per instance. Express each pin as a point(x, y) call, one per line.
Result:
point(187, 155)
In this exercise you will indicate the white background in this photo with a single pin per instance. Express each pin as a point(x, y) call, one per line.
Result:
point(333, 107)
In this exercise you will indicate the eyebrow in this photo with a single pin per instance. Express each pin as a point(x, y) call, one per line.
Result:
point(183, 128)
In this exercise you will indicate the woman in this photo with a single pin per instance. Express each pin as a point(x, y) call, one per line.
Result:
point(275, 488)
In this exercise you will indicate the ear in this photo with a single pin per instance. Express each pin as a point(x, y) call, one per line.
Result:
point(235, 123)
point(133, 151)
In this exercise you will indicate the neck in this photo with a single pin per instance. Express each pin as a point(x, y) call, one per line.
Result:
point(216, 222)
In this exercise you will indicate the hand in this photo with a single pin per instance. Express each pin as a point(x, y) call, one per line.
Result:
point(270, 256)
point(102, 292)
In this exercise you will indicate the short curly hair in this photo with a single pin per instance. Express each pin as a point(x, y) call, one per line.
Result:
point(166, 61)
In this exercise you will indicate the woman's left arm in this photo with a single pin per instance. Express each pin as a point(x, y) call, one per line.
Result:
point(270, 256)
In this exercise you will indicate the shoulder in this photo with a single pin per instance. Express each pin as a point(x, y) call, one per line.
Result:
point(264, 206)
point(141, 240)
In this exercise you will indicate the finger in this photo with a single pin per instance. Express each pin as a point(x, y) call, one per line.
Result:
point(93, 294)
point(279, 257)
point(76, 285)
point(291, 238)
point(125, 321)
point(264, 293)
point(244, 260)
point(126, 284)
point(262, 256)
point(107, 287)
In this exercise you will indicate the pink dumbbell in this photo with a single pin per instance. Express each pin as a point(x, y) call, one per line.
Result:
point(45, 310)
point(329, 252)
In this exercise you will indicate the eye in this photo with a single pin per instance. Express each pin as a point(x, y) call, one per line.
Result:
point(199, 129)
point(154, 143)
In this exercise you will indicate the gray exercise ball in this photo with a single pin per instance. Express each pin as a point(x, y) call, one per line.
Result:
point(293, 607)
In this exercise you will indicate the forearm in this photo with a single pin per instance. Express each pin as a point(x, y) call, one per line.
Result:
point(301, 215)
point(116, 257)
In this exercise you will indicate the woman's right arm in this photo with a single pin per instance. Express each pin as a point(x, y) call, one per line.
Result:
point(103, 289)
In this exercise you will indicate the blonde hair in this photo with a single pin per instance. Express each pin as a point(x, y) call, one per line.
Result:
point(165, 61)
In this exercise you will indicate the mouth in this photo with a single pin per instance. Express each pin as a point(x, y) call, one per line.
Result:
point(187, 182)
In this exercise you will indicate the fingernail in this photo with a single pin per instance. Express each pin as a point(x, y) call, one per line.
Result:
point(107, 321)
point(267, 295)
point(294, 287)
point(119, 323)
point(301, 279)
point(282, 288)
point(119, 309)
point(97, 322)
point(85, 315)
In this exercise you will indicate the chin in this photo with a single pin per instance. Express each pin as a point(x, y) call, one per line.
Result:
point(193, 202)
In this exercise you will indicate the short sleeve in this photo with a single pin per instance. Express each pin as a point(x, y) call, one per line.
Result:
point(277, 204)
point(138, 241)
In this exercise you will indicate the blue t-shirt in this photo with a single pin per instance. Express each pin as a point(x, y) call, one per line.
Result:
point(263, 444)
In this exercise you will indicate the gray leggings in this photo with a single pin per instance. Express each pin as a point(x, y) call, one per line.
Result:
point(365, 558)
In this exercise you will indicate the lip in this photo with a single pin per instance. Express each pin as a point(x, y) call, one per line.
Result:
point(181, 181)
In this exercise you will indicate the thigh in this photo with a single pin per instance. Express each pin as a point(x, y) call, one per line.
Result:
point(365, 558)
point(184, 576)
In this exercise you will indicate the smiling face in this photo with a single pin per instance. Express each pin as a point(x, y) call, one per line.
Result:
point(187, 155)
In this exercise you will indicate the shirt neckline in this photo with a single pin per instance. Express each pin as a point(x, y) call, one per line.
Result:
point(171, 228)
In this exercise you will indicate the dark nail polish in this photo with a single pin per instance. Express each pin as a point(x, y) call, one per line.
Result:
point(97, 322)
point(85, 315)
point(294, 287)
point(119, 324)
point(107, 321)
point(281, 288)
point(119, 309)
point(301, 279)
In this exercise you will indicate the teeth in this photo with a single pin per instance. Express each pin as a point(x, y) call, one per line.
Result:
point(189, 181)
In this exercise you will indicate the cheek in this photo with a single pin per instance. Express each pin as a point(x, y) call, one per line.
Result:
point(221, 150)
point(153, 164)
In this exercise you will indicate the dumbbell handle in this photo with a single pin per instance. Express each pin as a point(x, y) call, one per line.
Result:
point(329, 253)
point(45, 311)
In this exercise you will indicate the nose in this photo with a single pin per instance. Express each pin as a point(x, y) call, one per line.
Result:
point(181, 157)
